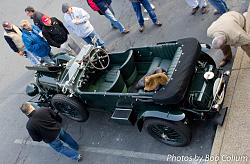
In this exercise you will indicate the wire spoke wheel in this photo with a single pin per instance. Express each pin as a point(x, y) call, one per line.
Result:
point(168, 132)
point(70, 107)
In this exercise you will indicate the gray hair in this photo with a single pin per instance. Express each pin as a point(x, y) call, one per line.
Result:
point(26, 108)
point(219, 41)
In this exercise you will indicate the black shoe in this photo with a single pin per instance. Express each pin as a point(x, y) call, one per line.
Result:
point(195, 10)
point(141, 29)
point(125, 31)
point(204, 10)
point(158, 23)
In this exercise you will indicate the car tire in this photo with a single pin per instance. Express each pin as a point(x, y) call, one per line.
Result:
point(70, 107)
point(172, 133)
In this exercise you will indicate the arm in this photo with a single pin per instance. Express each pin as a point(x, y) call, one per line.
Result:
point(68, 23)
point(28, 43)
point(61, 24)
point(34, 135)
point(85, 16)
point(49, 39)
point(11, 44)
point(55, 116)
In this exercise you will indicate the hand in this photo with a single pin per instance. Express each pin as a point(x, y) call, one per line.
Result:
point(21, 53)
point(76, 21)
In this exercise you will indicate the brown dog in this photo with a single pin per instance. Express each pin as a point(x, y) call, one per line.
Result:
point(152, 82)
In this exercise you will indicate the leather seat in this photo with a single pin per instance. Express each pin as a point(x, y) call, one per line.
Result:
point(128, 69)
point(111, 81)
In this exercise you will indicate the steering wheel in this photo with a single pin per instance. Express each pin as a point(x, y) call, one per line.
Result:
point(99, 58)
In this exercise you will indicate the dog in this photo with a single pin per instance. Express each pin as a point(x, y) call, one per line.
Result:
point(152, 80)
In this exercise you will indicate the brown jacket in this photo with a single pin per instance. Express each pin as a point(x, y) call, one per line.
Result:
point(16, 38)
point(232, 25)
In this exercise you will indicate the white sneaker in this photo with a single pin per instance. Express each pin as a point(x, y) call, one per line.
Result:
point(79, 158)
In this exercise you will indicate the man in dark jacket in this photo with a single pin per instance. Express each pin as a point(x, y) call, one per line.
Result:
point(57, 35)
point(103, 7)
point(45, 125)
point(35, 15)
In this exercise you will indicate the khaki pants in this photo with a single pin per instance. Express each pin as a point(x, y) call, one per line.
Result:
point(246, 48)
point(70, 46)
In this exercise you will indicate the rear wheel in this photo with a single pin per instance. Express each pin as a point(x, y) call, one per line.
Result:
point(70, 107)
point(168, 132)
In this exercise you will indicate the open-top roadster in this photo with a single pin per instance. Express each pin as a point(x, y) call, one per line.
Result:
point(108, 82)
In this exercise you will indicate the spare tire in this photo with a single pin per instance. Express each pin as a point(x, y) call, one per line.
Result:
point(70, 107)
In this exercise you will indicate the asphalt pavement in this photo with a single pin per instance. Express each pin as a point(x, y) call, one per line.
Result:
point(101, 140)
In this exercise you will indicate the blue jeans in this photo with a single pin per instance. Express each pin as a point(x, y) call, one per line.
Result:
point(48, 60)
point(147, 6)
point(219, 5)
point(57, 145)
point(89, 38)
point(114, 22)
point(32, 58)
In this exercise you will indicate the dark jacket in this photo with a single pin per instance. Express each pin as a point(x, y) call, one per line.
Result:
point(56, 34)
point(34, 43)
point(37, 19)
point(44, 125)
point(102, 4)
point(11, 43)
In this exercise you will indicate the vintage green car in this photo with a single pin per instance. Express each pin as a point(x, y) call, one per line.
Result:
point(107, 82)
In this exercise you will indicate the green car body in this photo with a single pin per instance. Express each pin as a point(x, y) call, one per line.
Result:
point(188, 95)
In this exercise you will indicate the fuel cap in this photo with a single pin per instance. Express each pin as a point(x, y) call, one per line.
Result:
point(208, 75)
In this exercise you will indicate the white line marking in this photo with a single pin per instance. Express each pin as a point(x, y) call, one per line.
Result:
point(116, 152)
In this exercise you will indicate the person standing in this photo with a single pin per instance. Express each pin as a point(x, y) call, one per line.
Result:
point(45, 125)
point(220, 6)
point(196, 4)
point(35, 43)
point(13, 37)
point(229, 30)
point(35, 16)
point(103, 7)
point(77, 21)
point(57, 35)
point(137, 8)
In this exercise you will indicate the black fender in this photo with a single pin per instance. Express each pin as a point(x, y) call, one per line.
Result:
point(168, 116)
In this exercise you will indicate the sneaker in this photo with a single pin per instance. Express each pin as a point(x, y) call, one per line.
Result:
point(79, 158)
point(216, 12)
point(158, 23)
point(204, 10)
point(141, 29)
point(195, 10)
point(125, 31)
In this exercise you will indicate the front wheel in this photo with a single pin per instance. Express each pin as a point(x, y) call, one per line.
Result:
point(70, 107)
point(171, 133)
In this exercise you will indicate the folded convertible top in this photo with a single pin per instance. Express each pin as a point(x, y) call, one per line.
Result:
point(176, 88)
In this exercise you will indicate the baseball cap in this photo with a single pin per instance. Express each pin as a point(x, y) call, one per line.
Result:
point(45, 19)
point(7, 25)
point(65, 7)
